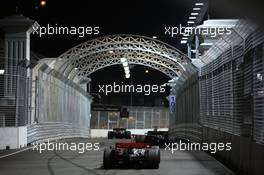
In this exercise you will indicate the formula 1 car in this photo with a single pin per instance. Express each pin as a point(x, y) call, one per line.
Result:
point(119, 133)
point(131, 154)
point(154, 138)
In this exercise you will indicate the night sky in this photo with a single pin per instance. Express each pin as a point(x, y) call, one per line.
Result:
point(141, 17)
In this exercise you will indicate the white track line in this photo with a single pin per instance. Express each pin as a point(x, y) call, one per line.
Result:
point(15, 152)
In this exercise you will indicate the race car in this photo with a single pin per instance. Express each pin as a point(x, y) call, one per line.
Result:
point(154, 138)
point(158, 138)
point(131, 154)
point(119, 133)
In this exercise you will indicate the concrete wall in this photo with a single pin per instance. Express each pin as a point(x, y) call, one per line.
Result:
point(13, 137)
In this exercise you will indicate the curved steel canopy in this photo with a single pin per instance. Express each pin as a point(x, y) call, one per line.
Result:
point(90, 56)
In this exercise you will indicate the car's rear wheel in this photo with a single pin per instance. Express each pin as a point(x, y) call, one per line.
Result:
point(153, 158)
point(107, 162)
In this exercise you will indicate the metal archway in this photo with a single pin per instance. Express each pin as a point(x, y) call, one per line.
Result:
point(90, 56)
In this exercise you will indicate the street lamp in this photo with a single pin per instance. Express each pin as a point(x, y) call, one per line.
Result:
point(43, 3)
point(123, 59)
point(194, 14)
point(196, 8)
point(125, 64)
point(192, 17)
point(183, 41)
point(127, 75)
point(190, 22)
point(199, 4)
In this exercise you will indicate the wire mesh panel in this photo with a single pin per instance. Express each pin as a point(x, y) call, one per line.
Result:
point(231, 84)
point(95, 119)
point(139, 118)
point(103, 120)
point(132, 120)
point(184, 123)
point(164, 119)
point(62, 110)
point(247, 95)
point(203, 99)
point(123, 122)
point(238, 103)
point(258, 91)
point(113, 119)
point(14, 93)
point(148, 114)
point(140, 122)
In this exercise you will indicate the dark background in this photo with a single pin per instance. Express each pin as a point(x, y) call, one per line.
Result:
point(141, 17)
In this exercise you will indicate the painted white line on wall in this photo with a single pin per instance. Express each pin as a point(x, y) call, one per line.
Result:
point(16, 152)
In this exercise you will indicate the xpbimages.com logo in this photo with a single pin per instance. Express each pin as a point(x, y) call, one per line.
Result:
point(210, 147)
point(80, 31)
point(65, 146)
point(173, 31)
point(125, 88)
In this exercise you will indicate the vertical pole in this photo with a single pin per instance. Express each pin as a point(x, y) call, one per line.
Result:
point(131, 93)
point(137, 119)
point(151, 121)
point(17, 97)
point(98, 119)
point(36, 100)
point(144, 118)
point(189, 50)
point(108, 121)
point(196, 46)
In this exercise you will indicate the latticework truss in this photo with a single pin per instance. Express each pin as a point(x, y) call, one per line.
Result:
point(88, 57)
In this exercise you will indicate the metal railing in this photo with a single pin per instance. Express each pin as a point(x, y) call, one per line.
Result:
point(61, 109)
point(14, 94)
point(231, 86)
point(139, 118)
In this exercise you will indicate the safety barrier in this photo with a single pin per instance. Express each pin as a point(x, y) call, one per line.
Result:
point(14, 93)
point(231, 99)
point(61, 108)
point(139, 118)
point(185, 123)
point(55, 130)
point(231, 84)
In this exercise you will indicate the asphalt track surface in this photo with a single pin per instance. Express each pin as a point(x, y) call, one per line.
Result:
point(31, 162)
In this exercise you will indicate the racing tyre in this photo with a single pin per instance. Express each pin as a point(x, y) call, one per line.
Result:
point(155, 147)
point(153, 158)
point(107, 162)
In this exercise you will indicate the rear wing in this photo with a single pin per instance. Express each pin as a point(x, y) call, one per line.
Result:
point(157, 133)
point(134, 135)
point(131, 145)
point(119, 129)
